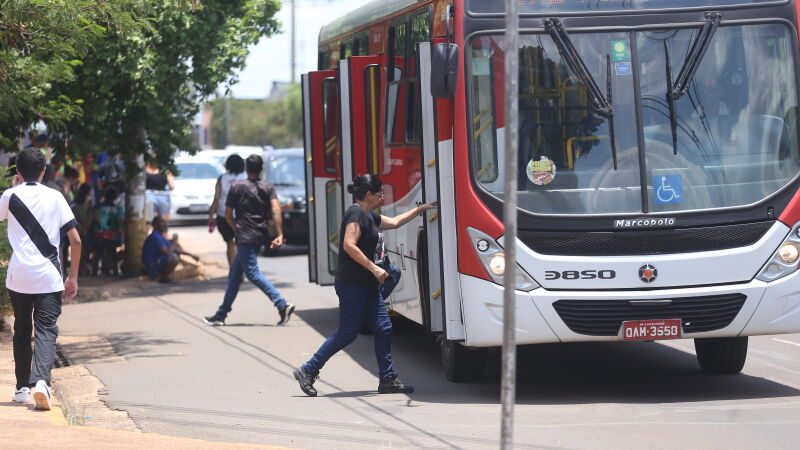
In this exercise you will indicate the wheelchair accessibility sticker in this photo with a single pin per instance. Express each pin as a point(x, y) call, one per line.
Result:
point(668, 189)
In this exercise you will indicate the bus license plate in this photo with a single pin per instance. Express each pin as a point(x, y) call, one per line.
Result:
point(648, 330)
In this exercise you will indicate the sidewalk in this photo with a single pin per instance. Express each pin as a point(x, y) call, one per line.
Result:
point(22, 427)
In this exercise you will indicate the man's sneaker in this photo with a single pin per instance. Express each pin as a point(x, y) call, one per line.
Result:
point(22, 395)
point(393, 385)
point(41, 395)
point(306, 381)
point(214, 321)
point(286, 313)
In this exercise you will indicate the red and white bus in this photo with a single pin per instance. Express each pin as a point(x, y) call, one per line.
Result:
point(658, 154)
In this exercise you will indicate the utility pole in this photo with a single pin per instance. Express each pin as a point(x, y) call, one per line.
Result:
point(227, 119)
point(292, 34)
point(508, 387)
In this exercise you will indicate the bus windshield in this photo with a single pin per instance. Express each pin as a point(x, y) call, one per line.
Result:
point(562, 6)
point(730, 140)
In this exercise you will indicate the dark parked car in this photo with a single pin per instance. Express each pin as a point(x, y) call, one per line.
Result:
point(285, 169)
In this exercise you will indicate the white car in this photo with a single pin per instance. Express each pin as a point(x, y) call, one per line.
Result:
point(194, 187)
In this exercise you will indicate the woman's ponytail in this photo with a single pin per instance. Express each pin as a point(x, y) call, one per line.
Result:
point(362, 184)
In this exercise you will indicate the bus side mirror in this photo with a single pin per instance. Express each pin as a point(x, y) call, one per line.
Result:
point(444, 70)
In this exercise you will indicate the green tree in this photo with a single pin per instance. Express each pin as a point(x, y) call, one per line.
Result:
point(42, 42)
point(142, 90)
point(122, 75)
point(278, 123)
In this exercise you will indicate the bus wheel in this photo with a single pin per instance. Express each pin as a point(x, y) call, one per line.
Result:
point(721, 355)
point(461, 364)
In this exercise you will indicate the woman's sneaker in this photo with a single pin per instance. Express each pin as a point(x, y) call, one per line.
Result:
point(393, 385)
point(22, 395)
point(214, 321)
point(41, 396)
point(286, 313)
point(306, 381)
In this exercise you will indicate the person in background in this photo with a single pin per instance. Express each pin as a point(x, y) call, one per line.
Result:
point(158, 185)
point(68, 182)
point(106, 232)
point(358, 282)
point(82, 209)
point(111, 172)
point(36, 217)
point(253, 203)
point(235, 172)
point(160, 256)
point(49, 179)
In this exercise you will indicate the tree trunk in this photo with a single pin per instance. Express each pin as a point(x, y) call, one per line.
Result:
point(136, 226)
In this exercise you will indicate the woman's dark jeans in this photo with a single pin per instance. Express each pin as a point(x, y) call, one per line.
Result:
point(357, 304)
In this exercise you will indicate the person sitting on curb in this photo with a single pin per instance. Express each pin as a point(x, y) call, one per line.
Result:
point(37, 215)
point(160, 256)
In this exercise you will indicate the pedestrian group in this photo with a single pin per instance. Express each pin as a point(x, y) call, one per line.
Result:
point(247, 214)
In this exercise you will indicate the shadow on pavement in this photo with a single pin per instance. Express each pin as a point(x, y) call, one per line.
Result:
point(566, 373)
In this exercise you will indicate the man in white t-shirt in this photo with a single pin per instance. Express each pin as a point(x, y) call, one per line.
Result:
point(37, 216)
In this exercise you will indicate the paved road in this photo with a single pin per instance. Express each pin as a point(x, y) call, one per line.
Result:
point(180, 377)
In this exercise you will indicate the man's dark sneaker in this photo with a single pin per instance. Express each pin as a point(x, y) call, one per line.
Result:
point(286, 313)
point(393, 385)
point(214, 321)
point(306, 381)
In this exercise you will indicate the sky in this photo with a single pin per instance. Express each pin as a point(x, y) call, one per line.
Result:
point(269, 60)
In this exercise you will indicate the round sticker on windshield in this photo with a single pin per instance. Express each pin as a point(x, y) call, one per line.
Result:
point(541, 172)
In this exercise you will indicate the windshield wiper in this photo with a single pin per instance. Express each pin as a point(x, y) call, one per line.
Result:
point(695, 56)
point(576, 66)
point(673, 118)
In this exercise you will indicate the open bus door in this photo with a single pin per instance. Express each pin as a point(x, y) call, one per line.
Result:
point(321, 121)
point(432, 296)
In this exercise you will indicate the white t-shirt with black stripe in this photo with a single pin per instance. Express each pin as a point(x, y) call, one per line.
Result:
point(36, 216)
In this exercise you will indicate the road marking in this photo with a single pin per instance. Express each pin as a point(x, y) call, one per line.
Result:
point(786, 342)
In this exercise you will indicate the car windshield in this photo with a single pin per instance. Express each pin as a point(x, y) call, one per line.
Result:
point(288, 171)
point(197, 171)
point(560, 6)
point(731, 140)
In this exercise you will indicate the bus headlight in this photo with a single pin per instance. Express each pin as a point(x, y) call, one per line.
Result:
point(784, 261)
point(788, 252)
point(494, 260)
point(497, 264)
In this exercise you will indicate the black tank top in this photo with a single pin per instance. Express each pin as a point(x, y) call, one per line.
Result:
point(156, 181)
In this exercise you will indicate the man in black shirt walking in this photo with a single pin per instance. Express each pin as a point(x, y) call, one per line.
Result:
point(254, 202)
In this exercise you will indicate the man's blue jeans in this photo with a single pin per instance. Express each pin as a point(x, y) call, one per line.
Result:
point(355, 305)
point(247, 261)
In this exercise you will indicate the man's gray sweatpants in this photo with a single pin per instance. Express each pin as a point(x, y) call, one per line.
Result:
point(39, 313)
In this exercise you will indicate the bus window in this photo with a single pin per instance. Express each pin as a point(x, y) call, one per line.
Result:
point(420, 32)
point(333, 206)
point(403, 113)
point(372, 82)
point(324, 59)
point(360, 45)
point(483, 116)
point(396, 95)
point(330, 111)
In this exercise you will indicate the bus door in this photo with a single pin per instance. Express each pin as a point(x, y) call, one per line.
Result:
point(321, 120)
point(431, 285)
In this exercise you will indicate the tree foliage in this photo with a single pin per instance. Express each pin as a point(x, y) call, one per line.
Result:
point(140, 85)
point(278, 122)
point(42, 42)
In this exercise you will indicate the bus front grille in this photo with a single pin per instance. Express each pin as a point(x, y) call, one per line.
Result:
point(605, 317)
point(644, 242)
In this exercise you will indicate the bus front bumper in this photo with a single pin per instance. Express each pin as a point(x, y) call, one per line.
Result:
point(767, 308)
